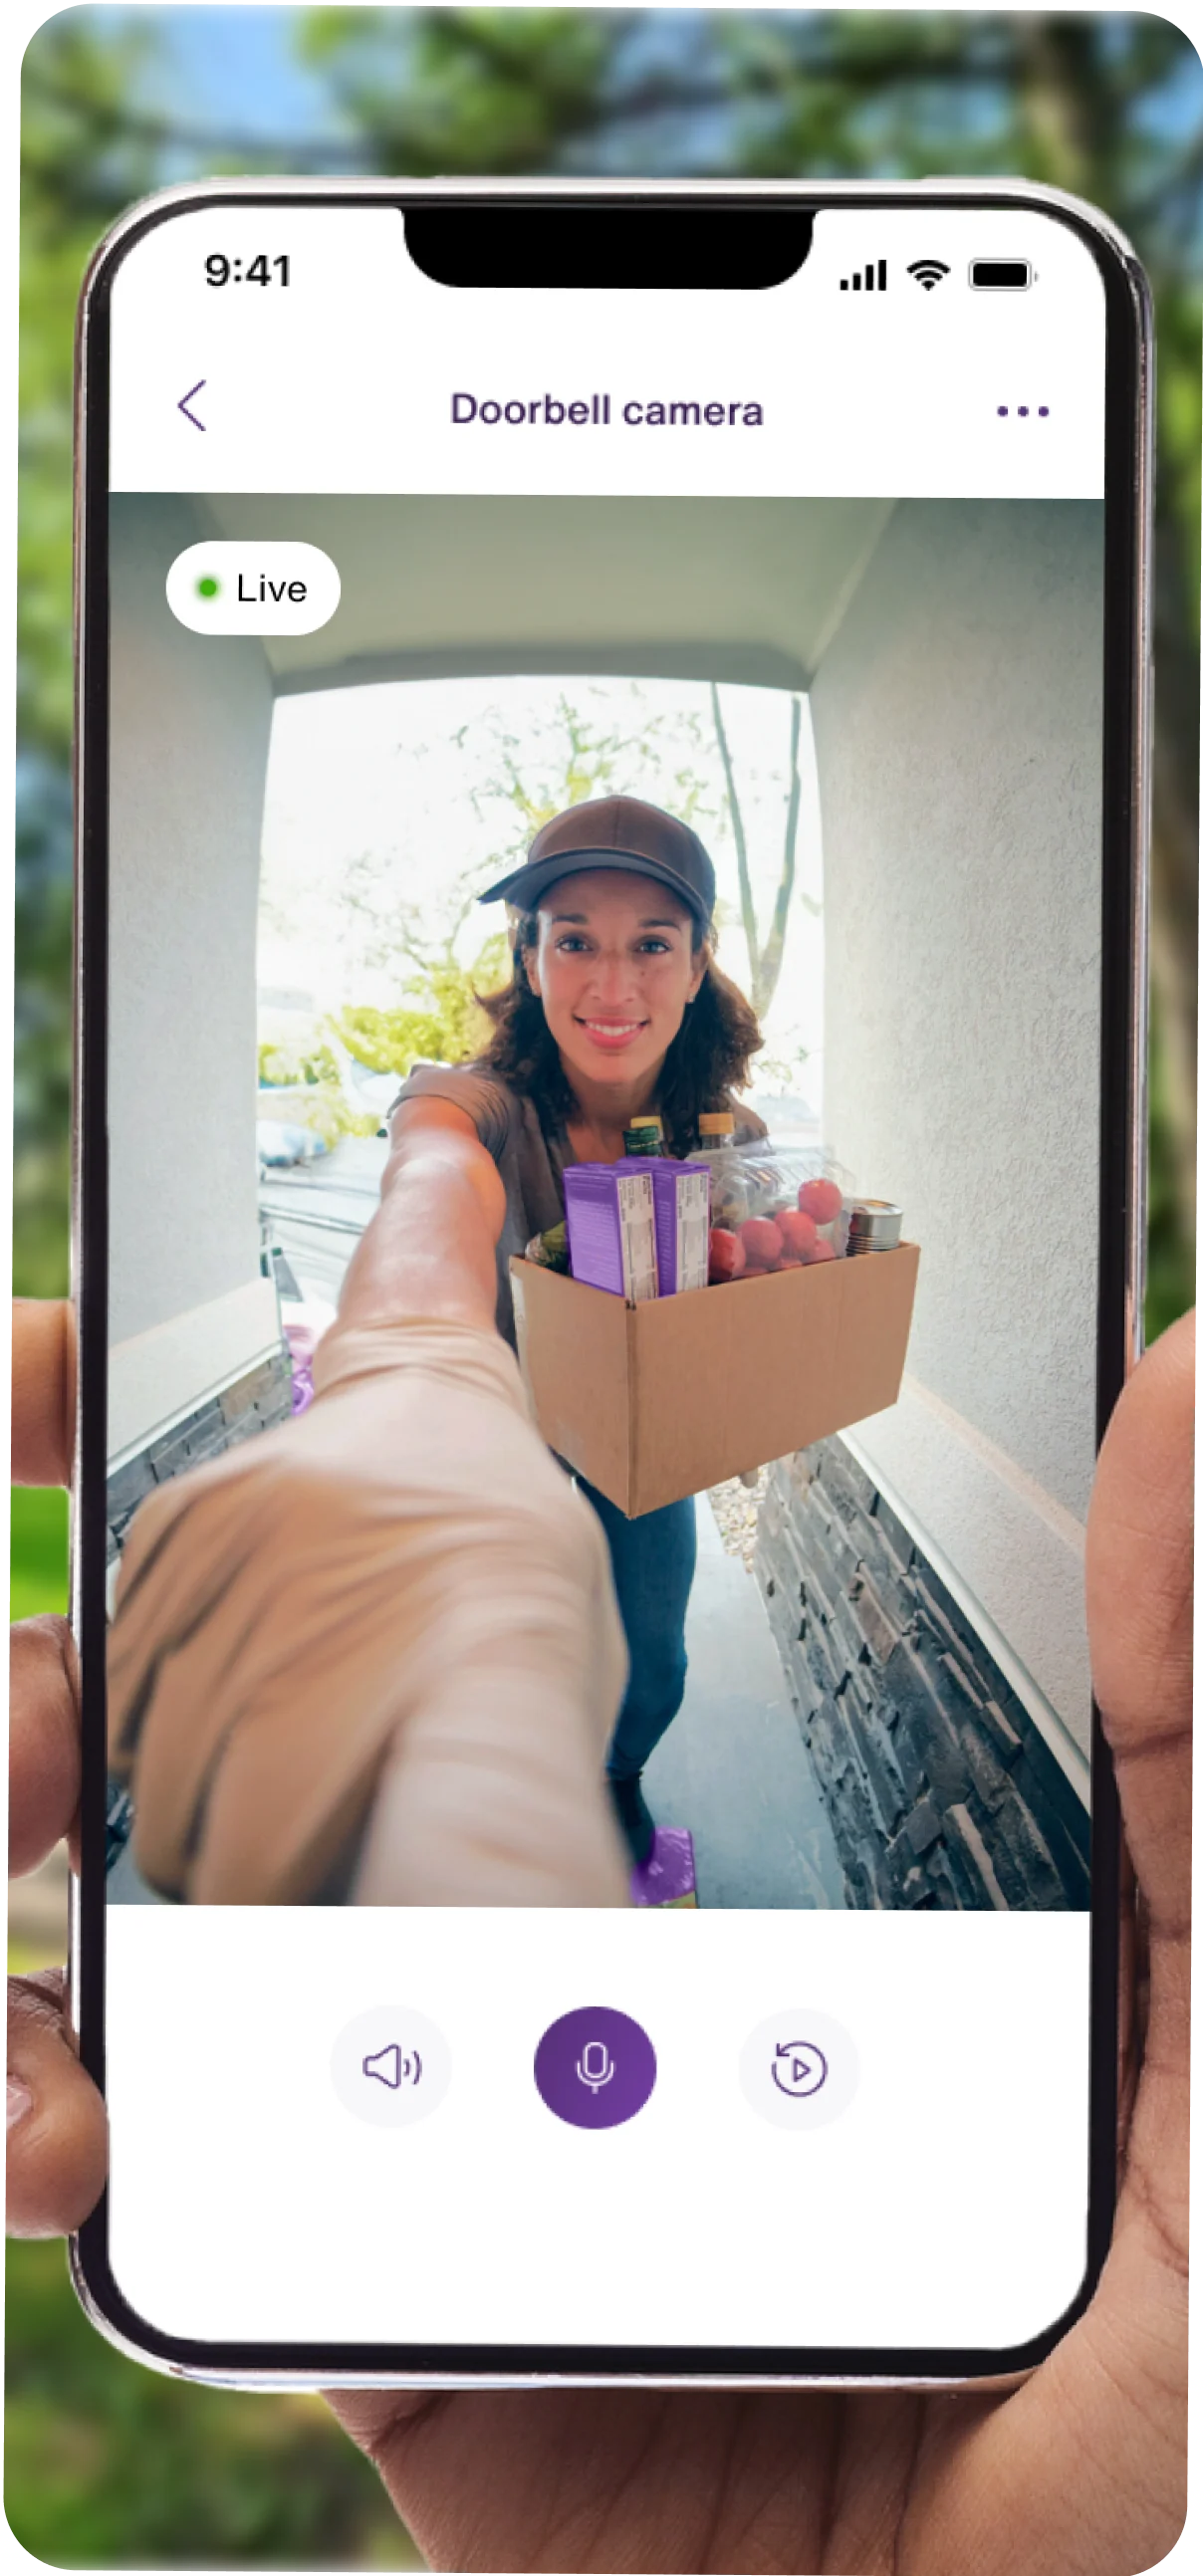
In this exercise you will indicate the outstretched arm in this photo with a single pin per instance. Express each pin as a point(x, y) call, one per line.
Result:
point(429, 1250)
point(409, 1611)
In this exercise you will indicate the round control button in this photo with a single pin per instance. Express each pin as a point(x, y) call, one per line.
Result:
point(800, 2069)
point(391, 2066)
point(595, 2068)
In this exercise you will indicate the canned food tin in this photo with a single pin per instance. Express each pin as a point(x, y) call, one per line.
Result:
point(874, 1225)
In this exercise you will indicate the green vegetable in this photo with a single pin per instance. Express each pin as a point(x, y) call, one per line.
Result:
point(550, 1250)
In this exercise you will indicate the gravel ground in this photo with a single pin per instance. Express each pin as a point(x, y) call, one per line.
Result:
point(735, 1507)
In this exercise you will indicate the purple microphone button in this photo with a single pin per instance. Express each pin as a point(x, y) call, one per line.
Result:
point(595, 2068)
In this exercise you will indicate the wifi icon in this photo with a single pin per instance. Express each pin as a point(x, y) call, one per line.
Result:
point(928, 271)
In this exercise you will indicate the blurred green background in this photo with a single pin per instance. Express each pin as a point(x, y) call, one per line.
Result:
point(108, 2465)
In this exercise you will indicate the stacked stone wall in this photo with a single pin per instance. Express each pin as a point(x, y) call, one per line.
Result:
point(254, 1403)
point(941, 1789)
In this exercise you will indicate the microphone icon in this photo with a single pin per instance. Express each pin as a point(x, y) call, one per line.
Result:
point(595, 2066)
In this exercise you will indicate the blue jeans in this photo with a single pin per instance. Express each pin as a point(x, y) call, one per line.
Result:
point(653, 1560)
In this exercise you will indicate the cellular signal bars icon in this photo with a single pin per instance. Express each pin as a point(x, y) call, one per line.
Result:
point(870, 279)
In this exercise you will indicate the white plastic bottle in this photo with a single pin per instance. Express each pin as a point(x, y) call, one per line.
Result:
point(730, 1197)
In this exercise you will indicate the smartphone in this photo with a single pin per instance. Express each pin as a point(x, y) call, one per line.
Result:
point(776, 557)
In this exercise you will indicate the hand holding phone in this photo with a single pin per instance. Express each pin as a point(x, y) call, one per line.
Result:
point(1082, 2471)
point(1081, 2468)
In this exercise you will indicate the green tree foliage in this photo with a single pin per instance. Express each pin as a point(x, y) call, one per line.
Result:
point(441, 1023)
point(282, 1064)
point(82, 162)
point(580, 752)
point(108, 2464)
point(79, 168)
point(1171, 1284)
point(42, 1098)
point(316, 1095)
point(461, 91)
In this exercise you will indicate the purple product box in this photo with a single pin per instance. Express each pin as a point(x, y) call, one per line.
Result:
point(681, 1195)
point(610, 1213)
point(639, 1227)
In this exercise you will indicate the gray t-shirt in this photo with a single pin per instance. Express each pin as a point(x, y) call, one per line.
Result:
point(531, 1158)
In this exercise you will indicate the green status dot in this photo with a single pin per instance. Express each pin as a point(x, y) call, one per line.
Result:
point(208, 586)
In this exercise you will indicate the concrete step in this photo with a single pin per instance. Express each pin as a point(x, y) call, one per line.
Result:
point(733, 1766)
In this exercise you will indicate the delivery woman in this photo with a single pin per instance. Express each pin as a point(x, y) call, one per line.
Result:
point(615, 1008)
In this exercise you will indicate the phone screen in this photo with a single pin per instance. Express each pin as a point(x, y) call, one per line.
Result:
point(811, 599)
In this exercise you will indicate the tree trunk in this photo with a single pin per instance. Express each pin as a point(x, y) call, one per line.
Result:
point(770, 964)
point(747, 907)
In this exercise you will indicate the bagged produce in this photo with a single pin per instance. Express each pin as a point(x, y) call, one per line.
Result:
point(800, 1209)
point(803, 1180)
point(550, 1249)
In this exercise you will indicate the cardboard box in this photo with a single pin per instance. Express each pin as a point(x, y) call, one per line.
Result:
point(661, 1399)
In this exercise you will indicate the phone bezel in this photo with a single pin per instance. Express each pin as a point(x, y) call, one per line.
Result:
point(1125, 847)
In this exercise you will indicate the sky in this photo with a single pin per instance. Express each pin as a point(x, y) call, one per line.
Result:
point(236, 70)
point(236, 74)
point(390, 806)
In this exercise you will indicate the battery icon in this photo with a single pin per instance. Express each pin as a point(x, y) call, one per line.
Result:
point(1001, 272)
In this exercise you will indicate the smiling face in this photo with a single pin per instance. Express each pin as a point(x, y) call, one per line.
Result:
point(615, 968)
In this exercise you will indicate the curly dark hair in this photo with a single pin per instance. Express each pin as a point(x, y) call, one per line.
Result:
point(707, 1062)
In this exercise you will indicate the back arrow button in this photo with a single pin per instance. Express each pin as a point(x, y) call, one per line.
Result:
point(185, 399)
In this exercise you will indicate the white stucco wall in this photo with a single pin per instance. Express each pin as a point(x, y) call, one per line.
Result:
point(190, 724)
point(958, 726)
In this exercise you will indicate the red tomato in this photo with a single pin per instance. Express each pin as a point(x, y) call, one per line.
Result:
point(820, 1199)
point(727, 1255)
point(798, 1230)
point(762, 1241)
point(821, 1252)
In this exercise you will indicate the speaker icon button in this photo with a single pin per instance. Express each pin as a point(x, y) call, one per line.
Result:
point(391, 2066)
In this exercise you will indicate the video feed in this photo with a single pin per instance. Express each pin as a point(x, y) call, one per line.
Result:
point(695, 904)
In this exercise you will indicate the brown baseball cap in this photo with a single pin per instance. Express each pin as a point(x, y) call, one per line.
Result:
point(618, 832)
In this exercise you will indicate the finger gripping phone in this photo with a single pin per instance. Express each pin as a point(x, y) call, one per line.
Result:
point(612, 853)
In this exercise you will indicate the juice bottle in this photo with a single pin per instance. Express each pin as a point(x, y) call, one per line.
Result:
point(730, 1197)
